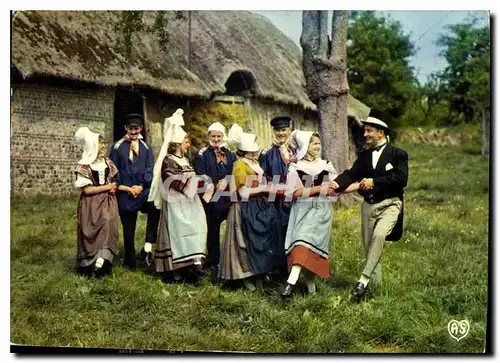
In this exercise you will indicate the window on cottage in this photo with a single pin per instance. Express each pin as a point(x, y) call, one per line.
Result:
point(241, 83)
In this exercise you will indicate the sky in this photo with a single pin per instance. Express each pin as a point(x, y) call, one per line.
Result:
point(424, 28)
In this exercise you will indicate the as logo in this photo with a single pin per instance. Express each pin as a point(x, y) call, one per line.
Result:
point(458, 329)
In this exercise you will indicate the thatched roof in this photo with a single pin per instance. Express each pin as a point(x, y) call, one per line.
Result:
point(89, 46)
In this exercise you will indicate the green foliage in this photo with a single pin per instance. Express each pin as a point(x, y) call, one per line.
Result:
point(436, 273)
point(205, 114)
point(418, 113)
point(465, 82)
point(414, 115)
point(379, 73)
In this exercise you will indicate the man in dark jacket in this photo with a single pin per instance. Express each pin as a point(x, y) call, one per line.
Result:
point(275, 160)
point(135, 162)
point(216, 162)
point(383, 172)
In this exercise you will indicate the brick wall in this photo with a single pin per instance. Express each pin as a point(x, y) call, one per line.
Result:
point(43, 123)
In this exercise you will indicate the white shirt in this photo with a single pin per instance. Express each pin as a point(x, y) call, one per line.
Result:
point(376, 155)
point(311, 168)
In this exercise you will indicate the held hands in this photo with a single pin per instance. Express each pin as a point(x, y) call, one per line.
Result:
point(132, 191)
point(366, 184)
point(271, 188)
point(112, 188)
point(135, 190)
point(331, 188)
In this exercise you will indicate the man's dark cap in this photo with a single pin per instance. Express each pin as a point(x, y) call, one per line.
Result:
point(133, 119)
point(281, 122)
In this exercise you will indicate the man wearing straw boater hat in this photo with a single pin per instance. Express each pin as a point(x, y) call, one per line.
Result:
point(383, 171)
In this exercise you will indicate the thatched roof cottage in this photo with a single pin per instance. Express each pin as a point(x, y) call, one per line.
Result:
point(75, 68)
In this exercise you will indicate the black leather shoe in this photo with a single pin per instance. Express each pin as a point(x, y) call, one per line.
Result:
point(86, 271)
point(287, 291)
point(198, 270)
point(358, 290)
point(105, 270)
point(99, 271)
point(216, 281)
point(267, 280)
point(146, 257)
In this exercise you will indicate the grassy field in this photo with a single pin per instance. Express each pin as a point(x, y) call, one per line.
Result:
point(436, 273)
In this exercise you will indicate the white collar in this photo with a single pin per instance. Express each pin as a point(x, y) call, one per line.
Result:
point(311, 167)
point(254, 166)
point(382, 146)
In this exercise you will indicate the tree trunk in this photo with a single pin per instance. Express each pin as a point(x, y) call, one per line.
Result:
point(335, 135)
point(325, 71)
point(326, 80)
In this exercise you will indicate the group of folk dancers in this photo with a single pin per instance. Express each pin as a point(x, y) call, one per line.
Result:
point(277, 203)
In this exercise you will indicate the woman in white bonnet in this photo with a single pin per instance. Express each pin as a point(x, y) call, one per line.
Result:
point(310, 224)
point(181, 245)
point(97, 213)
point(250, 247)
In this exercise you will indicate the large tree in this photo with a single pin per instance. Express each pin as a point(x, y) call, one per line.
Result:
point(466, 79)
point(378, 55)
point(324, 67)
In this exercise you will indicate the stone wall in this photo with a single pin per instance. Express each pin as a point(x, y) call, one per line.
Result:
point(43, 123)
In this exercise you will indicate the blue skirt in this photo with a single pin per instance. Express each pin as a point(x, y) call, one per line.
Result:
point(260, 223)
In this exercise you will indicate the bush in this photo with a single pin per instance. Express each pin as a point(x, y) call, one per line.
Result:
point(200, 119)
point(414, 115)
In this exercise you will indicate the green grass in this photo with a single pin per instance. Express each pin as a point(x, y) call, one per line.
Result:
point(436, 273)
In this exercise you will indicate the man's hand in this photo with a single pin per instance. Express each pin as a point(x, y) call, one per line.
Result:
point(366, 184)
point(331, 188)
point(130, 191)
point(331, 191)
point(137, 189)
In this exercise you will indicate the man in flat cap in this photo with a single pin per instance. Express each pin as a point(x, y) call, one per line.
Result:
point(275, 160)
point(383, 172)
point(135, 162)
